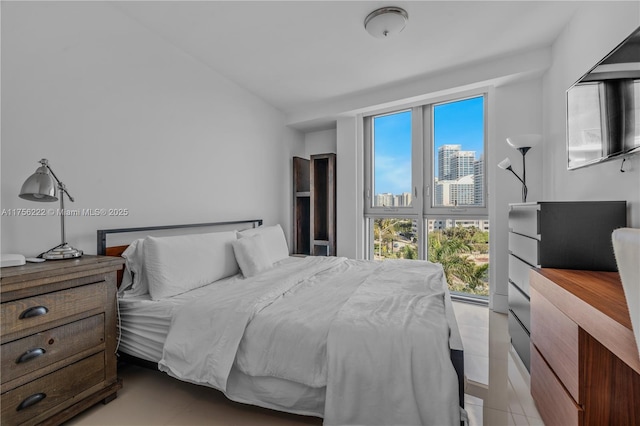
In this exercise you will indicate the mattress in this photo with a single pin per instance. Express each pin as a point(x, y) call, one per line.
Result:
point(144, 323)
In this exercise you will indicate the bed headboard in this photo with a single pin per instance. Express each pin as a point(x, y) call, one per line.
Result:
point(117, 250)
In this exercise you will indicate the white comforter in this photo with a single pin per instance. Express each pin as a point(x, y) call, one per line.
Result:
point(374, 334)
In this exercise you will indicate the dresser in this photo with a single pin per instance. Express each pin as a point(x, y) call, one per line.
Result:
point(58, 336)
point(568, 235)
point(585, 368)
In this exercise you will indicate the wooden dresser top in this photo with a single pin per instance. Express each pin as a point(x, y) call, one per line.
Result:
point(14, 277)
point(602, 290)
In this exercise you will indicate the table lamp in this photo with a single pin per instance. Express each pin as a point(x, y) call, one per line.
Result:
point(43, 186)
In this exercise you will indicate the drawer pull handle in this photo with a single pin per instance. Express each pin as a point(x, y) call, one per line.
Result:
point(31, 400)
point(30, 354)
point(34, 311)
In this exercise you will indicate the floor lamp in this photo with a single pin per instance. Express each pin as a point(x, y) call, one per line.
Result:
point(522, 143)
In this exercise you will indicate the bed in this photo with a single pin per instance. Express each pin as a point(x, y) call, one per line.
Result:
point(351, 341)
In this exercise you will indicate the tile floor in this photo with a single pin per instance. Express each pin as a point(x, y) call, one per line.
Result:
point(497, 391)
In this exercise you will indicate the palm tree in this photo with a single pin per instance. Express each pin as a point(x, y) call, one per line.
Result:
point(479, 278)
point(384, 231)
point(447, 251)
point(409, 252)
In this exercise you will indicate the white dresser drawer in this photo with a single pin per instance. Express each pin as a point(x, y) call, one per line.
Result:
point(525, 248)
point(519, 273)
point(519, 304)
point(524, 219)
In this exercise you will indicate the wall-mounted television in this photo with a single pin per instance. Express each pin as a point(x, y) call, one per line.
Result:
point(603, 108)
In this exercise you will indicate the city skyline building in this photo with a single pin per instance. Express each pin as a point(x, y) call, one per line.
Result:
point(387, 199)
point(456, 182)
point(445, 152)
point(478, 181)
point(460, 181)
point(461, 164)
point(457, 192)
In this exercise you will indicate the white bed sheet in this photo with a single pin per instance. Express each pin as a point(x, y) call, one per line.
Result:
point(144, 325)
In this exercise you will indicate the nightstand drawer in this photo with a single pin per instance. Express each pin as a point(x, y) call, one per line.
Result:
point(556, 336)
point(39, 350)
point(36, 397)
point(39, 310)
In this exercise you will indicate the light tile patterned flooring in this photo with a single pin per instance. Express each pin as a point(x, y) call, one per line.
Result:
point(497, 391)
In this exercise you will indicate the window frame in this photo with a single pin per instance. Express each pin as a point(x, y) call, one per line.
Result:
point(430, 210)
point(417, 147)
point(423, 156)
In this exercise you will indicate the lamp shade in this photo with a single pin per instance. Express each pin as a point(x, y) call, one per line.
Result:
point(524, 141)
point(505, 164)
point(40, 186)
point(386, 21)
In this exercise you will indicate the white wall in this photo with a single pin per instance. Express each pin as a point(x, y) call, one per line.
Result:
point(594, 31)
point(517, 109)
point(320, 142)
point(128, 121)
point(349, 191)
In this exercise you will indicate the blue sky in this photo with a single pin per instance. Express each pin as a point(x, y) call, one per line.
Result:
point(455, 123)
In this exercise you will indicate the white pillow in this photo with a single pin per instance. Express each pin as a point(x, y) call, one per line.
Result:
point(177, 264)
point(274, 241)
point(252, 255)
point(134, 279)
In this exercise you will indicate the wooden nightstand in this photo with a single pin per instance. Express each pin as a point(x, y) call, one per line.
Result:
point(58, 336)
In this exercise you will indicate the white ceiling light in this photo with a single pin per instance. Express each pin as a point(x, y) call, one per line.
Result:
point(386, 21)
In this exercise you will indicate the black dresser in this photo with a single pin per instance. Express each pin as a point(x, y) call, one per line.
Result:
point(564, 235)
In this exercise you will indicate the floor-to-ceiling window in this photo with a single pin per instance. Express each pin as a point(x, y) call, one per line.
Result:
point(425, 188)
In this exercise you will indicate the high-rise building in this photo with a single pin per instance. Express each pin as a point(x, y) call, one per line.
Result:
point(384, 200)
point(454, 163)
point(404, 199)
point(461, 164)
point(462, 191)
point(457, 192)
point(387, 199)
point(455, 184)
point(445, 152)
point(478, 181)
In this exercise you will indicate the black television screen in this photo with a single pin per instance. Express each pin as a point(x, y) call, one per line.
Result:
point(603, 108)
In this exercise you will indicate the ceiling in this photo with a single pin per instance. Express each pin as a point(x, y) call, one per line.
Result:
point(298, 53)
